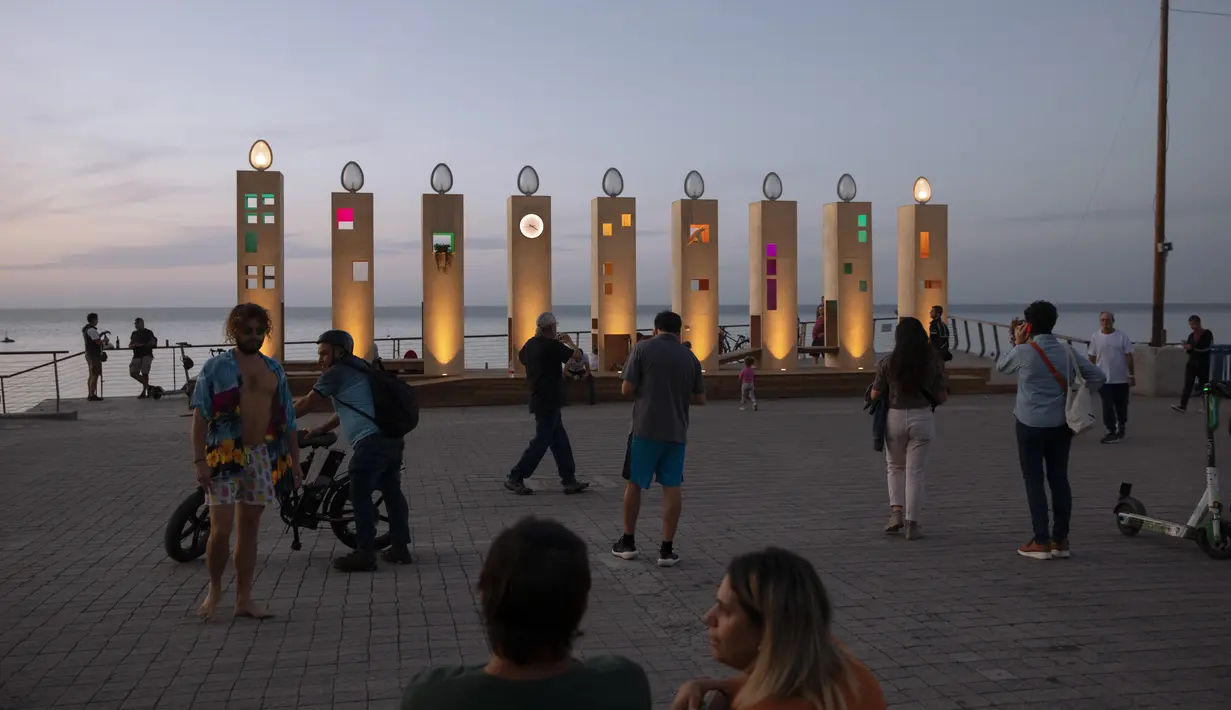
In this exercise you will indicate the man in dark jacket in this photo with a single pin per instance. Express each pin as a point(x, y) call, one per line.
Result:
point(544, 356)
point(1197, 368)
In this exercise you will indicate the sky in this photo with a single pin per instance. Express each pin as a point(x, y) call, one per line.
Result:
point(121, 126)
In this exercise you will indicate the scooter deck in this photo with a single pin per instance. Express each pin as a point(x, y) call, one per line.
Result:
point(1166, 527)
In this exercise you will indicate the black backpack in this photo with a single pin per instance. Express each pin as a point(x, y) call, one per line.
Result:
point(395, 402)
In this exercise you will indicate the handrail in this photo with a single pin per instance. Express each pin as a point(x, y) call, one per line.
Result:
point(34, 352)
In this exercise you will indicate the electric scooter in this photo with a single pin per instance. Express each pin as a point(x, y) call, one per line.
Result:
point(1207, 525)
point(186, 389)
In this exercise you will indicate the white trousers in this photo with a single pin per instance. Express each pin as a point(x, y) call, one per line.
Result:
point(908, 435)
point(747, 393)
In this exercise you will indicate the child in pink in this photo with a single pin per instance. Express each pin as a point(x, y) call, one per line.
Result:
point(747, 388)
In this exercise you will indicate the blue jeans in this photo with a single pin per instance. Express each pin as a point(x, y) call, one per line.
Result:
point(549, 433)
point(1044, 453)
point(376, 465)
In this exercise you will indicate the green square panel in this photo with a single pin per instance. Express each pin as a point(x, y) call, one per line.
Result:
point(863, 236)
point(863, 286)
point(863, 220)
point(848, 268)
point(249, 242)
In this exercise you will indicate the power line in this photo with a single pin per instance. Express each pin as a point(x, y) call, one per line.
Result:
point(1119, 125)
point(1203, 12)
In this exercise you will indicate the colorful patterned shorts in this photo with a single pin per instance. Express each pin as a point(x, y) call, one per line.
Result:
point(255, 486)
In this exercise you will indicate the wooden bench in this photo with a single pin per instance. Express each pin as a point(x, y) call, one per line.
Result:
point(818, 349)
point(738, 355)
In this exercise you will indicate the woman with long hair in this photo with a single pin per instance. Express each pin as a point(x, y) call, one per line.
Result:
point(772, 623)
point(818, 330)
point(912, 378)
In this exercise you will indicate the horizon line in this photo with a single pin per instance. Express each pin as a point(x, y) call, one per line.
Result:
point(1103, 306)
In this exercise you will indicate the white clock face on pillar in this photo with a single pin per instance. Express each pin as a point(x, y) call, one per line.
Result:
point(531, 226)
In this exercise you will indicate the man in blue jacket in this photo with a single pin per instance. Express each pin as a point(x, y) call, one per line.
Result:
point(376, 459)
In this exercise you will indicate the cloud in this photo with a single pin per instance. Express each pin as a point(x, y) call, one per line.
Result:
point(194, 246)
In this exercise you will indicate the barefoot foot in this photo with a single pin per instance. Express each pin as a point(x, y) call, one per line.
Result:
point(206, 611)
point(252, 610)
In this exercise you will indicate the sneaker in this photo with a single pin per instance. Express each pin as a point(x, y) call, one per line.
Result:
point(912, 530)
point(754, 406)
point(356, 561)
point(143, 396)
point(895, 523)
point(573, 486)
point(670, 559)
point(742, 408)
point(397, 555)
point(1111, 438)
point(1179, 408)
point(517, 487)
point(624, 550)
point(1059, 549)
point(1035, 550)
point(93, 398)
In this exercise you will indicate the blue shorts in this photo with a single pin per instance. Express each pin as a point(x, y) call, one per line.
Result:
point(655, 460)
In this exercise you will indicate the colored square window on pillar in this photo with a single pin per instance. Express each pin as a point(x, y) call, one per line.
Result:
point(346, 218)
point(694, 270)
point(849, 283)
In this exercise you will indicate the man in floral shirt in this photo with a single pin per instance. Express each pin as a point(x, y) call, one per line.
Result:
point(243, 444)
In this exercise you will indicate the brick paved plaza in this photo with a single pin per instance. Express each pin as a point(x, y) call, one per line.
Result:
point(94, 615)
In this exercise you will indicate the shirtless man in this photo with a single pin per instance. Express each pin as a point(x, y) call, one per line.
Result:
point(243, 443)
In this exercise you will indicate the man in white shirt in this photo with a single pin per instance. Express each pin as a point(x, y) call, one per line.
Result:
point(1112, 351)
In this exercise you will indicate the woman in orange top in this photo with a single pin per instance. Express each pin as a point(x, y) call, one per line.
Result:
point(772, 622)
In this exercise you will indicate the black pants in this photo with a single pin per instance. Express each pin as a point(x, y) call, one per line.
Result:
point(1199, 371)
point(1115, 406)
point(376, 465)
point(1044, 454)
point(549, 433)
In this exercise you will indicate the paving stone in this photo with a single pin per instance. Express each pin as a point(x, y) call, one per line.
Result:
point(93, 615)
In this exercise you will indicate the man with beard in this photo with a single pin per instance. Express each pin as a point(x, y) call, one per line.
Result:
point(243, 443)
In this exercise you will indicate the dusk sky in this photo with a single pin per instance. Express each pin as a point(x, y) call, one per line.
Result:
point(122, 125)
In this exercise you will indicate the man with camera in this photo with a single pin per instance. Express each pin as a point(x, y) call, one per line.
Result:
point(544, 357)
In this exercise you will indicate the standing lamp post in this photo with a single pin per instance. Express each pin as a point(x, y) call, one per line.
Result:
point(353, 249)
point(259, 244)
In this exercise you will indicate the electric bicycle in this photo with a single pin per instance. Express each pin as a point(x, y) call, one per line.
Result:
point(325, 500)
point(1207, 525)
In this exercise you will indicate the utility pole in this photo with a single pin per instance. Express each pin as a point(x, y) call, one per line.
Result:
point(1161, 246)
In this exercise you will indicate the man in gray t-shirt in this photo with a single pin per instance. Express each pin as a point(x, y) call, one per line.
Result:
point(664, 378)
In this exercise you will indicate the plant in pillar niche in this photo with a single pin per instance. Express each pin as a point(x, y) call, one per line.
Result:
point(444, 256)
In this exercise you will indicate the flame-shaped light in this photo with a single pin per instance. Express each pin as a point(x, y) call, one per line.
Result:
point(527, 181)
point(613, 183)
point(923, 191)
point(260, 156)
point(846, 187)
point(442, 178)
point(352, 177)
point(771, 187)
point(694, 185)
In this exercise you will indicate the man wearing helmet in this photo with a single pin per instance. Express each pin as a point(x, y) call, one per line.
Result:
point(376, 459)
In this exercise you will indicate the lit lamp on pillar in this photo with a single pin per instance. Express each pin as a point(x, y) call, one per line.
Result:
point(259, 251)
point(354, 302)
point(773, 295)
point(923, 255)
point(529, 226)
point(443, 283)
point(848, 279)
point(613, 272)
point(694, 269)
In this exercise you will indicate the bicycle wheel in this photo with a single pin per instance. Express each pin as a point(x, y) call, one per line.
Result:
point(188, 529)
point(342, 517)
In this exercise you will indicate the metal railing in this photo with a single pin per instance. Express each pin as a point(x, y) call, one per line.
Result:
point(42, 380)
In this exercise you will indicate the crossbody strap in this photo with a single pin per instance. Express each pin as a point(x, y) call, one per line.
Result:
point(1064, 387)
point(367, 372)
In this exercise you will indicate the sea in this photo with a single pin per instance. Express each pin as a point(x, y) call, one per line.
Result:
point(36, 332)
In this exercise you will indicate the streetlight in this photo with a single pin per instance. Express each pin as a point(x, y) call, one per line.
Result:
point(260, 155)
point(923, 191)
point(352, 177)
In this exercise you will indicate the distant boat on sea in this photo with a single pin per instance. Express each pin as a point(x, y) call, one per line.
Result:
point(7, 339)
